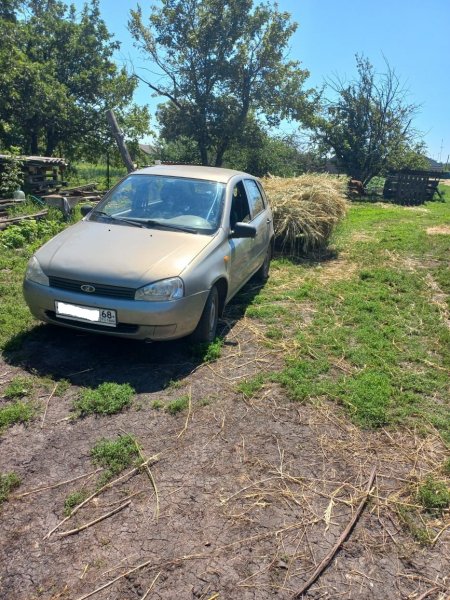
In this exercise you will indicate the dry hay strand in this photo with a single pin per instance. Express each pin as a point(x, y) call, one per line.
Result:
point(306, 209)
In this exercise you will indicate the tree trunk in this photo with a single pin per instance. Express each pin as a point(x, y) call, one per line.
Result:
point(52, 142)
point(203, 152)
point(34, 142)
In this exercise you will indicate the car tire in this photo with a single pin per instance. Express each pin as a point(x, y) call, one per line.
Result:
point(262, 274)
point(205, 331)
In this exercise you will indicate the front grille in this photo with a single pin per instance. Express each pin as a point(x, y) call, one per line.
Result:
point(120, 328)
point(109, 291)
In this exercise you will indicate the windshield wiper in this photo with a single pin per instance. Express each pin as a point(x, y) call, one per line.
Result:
point(130, 221)
point(155, 223)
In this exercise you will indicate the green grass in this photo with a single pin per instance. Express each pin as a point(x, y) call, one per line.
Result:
point(177, 405)
point(377, 343)
point(84, 172)
point(446, 467)
point(107, 399)
point(17, 244)
point(15, 412)
point(18, 387)
point(250, 387)
point(114, 456)
point(208, 352)
point(8, 482)
point(73, 500)
point(434, 495)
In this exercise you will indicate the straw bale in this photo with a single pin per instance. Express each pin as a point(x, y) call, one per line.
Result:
point(306, 209)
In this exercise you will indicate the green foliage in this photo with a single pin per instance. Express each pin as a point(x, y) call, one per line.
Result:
point(8, 482)
point(30, 231)
point(57, 77)
point(18, 387)
point(177, 405)
point(15, 412)
point(434, 495)
point(114, 455)
point(108, 399)
point(217, 62)
point(11, 176)
point(368, 126)
point(73, 500)
point(157, 404)
point(259, 153)
point(80, 173)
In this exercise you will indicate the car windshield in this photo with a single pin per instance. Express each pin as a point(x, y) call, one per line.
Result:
point(168, 202)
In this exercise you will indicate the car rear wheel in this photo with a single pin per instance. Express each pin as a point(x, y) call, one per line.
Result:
point(207, 326)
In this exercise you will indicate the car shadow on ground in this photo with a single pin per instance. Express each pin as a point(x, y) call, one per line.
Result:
point(87, 359)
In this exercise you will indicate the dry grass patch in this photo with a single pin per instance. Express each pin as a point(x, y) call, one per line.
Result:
point(306, 209)
point(439, 230)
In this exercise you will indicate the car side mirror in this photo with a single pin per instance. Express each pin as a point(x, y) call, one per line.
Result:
point(85, 209)
point(243, 230)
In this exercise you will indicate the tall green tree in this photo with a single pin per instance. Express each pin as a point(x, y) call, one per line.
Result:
point(368, 123)
point(57, 77)
point(215, 62)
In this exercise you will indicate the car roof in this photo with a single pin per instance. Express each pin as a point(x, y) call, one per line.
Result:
point(193, 172)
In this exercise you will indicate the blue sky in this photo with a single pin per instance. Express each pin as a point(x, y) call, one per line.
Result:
point(413, 35)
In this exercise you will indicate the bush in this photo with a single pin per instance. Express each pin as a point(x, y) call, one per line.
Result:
point(305, 210)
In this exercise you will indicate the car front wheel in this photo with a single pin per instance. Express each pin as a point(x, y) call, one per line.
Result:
point(206, 329)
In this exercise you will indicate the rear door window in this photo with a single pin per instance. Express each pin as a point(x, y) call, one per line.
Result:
point(255, 198)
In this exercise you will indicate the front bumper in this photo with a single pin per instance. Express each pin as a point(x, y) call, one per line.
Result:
point(136, 319)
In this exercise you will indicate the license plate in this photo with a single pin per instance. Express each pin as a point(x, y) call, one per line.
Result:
point(86, 314)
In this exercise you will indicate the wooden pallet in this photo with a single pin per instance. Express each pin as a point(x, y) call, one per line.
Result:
point(411, 188)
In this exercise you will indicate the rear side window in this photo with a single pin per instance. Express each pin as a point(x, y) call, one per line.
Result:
point(254, 197)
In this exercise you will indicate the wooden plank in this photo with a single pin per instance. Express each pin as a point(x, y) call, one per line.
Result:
point(4, 223)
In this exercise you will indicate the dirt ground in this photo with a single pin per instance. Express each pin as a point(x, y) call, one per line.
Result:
point(251, 493)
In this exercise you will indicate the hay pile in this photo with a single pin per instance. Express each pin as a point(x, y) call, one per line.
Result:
point(305, 209)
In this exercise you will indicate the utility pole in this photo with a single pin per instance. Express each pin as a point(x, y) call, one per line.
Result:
point(119, 137)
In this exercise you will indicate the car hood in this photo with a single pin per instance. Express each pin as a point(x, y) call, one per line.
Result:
point(119, 255)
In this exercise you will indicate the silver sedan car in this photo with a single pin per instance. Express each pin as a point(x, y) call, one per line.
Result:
point(158, 258)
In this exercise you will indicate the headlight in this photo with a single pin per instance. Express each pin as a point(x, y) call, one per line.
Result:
point(166, 289)
point(35, 273)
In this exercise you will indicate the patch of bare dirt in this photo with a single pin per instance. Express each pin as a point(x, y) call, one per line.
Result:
point(251, 493)
point(439, 230)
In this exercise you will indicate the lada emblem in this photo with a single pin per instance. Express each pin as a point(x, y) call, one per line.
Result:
point(88, 288)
